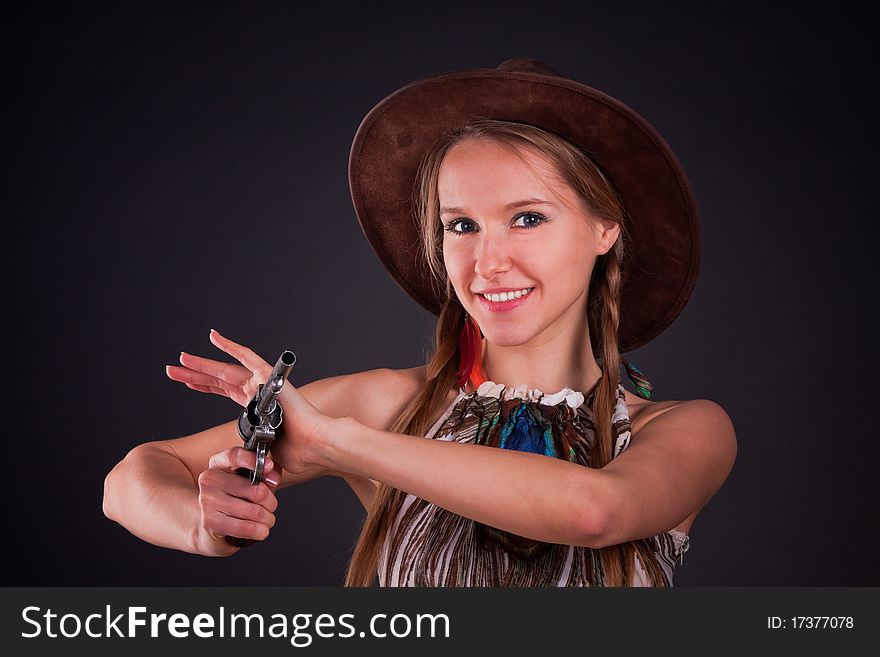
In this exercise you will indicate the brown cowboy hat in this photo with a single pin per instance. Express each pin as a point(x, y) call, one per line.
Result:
point(663, 229)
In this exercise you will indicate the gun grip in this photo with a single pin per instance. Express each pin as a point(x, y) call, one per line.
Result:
point(239, 542)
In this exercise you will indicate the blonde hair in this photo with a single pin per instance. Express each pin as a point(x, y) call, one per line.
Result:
point(598, 195)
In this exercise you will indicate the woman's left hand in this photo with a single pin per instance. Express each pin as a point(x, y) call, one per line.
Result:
point(298, 448)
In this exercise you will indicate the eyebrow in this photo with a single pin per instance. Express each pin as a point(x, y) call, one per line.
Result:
point(509, 206)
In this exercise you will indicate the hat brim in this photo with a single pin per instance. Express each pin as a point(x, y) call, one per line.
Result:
point(664, 241)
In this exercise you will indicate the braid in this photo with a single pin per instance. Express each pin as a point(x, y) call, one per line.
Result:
point(616, 559)
point(608, 300)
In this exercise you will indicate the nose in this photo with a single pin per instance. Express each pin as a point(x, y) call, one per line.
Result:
point(491, 258)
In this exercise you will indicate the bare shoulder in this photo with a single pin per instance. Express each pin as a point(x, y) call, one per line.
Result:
point(643, 412)
point(694, 424)
point(696, 413)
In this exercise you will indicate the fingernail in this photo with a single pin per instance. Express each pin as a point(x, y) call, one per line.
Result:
point(272, 478)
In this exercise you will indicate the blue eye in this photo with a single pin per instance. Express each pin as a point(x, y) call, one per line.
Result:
point(540, 219)
point(450, 227)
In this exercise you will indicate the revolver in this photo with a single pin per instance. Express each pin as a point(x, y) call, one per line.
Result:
point(258, 423)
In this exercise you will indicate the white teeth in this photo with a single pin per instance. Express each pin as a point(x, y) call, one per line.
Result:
point(507, 296)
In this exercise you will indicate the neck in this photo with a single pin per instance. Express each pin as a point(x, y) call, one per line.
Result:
point(549, 365)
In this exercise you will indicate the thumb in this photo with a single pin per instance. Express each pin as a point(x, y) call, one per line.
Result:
point(292, 399)
point(273, 476)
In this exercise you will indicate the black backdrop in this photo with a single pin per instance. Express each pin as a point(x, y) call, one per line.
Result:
point(163, 156)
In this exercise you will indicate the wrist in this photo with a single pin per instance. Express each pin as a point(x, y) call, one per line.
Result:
point(333, 442)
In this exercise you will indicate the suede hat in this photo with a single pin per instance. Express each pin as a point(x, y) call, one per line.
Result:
point(661, 269)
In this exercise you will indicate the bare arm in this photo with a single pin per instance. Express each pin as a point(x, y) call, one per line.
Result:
point(526, 494)
point(679, 461)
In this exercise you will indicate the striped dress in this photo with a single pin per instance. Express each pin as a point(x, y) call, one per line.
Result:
point(430, 546)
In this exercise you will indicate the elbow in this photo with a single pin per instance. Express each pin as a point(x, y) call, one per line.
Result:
point(113, 484)
point(594, 518)
point(106, 505)
point(110, 491)
point(593, 524)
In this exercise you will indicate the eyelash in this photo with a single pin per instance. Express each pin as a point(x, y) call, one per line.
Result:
point(450, 227)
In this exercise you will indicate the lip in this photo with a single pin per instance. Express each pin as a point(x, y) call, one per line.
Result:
point(499, 290)
point(501, 306)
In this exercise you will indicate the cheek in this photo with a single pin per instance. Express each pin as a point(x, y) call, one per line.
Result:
point(575, 251)
point(569, 263)
point(454, 258)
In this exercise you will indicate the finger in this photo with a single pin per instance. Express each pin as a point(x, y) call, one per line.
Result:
point(237, 508)
point(273, 476)
point(208, 389)
point(199, 381)
point(230, 460)
point(186, 375)
point(291, 398)
point(208, 384)
point(204, 383)
point(224, 525)
point(244, 500)
point(219, 487)
point(238, 528)
point(229, 372)
point(240, 353)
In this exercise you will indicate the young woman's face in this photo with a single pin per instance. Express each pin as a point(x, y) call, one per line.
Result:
point(506, 229)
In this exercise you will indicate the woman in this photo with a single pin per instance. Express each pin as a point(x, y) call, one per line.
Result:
point(556, 230)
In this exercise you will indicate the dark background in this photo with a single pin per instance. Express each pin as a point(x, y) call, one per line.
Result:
point(164, 159)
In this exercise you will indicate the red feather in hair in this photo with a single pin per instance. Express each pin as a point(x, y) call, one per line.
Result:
point(471, 352)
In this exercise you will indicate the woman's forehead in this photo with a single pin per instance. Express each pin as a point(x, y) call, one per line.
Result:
point(477, 152)
point(481, 168)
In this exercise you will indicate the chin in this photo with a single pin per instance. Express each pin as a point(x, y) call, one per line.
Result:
point(508, 338)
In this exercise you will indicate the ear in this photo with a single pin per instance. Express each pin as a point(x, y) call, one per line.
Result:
point(607, 232)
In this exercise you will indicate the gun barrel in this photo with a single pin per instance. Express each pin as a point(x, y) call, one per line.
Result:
point(276, 381)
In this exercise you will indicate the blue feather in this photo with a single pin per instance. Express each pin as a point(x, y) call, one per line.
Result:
point(524, 433)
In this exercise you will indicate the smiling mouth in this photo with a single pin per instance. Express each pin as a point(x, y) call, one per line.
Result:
point(512, 301)
point(508, 296)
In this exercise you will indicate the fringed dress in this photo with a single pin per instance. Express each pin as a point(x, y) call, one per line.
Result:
point(430, 546)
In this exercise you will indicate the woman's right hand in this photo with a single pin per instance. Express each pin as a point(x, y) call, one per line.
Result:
point(231, 506)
